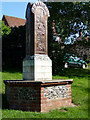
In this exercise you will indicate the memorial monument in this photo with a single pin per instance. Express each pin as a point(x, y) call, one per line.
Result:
point(37, 91)
point(37, 65)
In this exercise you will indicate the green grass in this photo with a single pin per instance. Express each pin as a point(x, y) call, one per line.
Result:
point(79, 96)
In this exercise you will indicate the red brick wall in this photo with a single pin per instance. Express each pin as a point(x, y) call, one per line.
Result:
point(38, 97)
point(49, 104)
point(24, 97)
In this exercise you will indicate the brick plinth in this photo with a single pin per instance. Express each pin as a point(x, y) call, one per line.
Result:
point(38, 96)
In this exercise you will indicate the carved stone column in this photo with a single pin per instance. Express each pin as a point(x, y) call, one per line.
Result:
point(37, 65)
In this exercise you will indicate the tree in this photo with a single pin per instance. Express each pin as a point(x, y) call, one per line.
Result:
point(5, 29)
point(69, 18)
point(13, 47)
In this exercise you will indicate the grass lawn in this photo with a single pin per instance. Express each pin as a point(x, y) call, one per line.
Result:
point(79, 96)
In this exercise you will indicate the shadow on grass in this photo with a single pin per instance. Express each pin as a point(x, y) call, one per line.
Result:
point(5, 104)
point(74, 72)
point(11, 69)
point(68, 72)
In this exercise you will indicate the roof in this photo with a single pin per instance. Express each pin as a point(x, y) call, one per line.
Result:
point(13, 21)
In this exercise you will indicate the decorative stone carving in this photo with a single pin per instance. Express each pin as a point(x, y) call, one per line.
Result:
point(41, 14)
point(42, 5)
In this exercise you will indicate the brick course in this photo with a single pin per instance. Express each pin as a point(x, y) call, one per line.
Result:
point(38, 96)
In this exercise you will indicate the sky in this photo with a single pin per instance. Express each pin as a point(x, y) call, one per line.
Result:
point(15, 9)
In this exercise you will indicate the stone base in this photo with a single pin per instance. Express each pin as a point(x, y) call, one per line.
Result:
point(38, 96)
point(37, 68)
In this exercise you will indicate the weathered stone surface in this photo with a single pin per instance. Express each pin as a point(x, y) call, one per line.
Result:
point(29, 31)
point(37, 65)
point(41, 14)
point(43, 6)
point(38, 68)
point(36, 28)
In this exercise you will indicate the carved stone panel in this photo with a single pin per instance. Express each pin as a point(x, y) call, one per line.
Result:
point(40, 31)
point(41, 14)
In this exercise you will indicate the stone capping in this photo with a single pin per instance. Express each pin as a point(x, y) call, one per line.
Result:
point(40, 83)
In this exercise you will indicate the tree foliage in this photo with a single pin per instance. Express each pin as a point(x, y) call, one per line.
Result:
point(69, 18)
point(5, 29)
point(13, 47)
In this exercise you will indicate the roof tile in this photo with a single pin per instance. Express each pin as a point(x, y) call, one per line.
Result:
point(14, 21)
